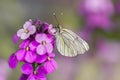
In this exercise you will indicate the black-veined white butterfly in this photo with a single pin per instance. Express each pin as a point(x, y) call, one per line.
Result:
point(69, 43)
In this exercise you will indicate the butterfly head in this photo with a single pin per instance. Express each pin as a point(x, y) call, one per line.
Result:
point(58, 28)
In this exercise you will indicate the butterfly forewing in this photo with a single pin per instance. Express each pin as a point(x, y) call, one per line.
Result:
point(65, 45)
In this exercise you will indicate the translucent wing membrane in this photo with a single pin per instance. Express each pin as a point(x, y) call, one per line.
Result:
point(70, 44)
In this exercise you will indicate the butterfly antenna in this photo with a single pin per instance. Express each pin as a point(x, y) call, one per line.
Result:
point(61, 18)
point(56, 18)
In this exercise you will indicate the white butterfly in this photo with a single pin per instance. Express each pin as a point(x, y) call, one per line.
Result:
point(68, 43)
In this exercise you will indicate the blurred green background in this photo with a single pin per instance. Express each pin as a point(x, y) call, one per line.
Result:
point(101, 62)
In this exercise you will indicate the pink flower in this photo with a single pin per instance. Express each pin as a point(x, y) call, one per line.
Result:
point(27, 68)
point(50, 65)
point(38, 74)
point(45, 45)
point(51, 30)
point(15, 38)
point(35, 51)
point(97, 7)
point(25, 52)
point(13, 62)
point(98, 13)
point(27, 30)
point(99, 21)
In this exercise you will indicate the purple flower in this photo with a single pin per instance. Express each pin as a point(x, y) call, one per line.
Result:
point(50, 65)
point(99, 21)
point(38, 22)
point(30, 56)
point(22, 51)
point(97, 7)
point(23, 77)
point(26, 68)
point(25, 53)
point(31, 77)
point(28, 29)
point(97, 13)
point(39, 73)
point(33, 45)
point(15, 38)
point(51, 30)
point(45, 45)
point(13, 61)
point(41, 27)
point(35, 50)
point(41, 58)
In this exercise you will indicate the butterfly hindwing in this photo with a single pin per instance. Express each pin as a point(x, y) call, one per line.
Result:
point(81, 45)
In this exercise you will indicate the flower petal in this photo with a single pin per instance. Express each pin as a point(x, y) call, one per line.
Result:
point(48, 40)
point(24, 44)
point(41, 73)
point(31, 77)
point(20, 32)
point(25, 36)
point(15, 38)
point(44, 27)
point(27, 24)
point(27, 68)
point(50, 26)
point(12, 61)
point(50, 66)
point(41, 58)
point(38, 22)
point(40, 37)
point(32, 29)
point(51, 55)
point(54, 63)
point(23, 77)
point(30, 56)
point(51, 30)
point(20, 54)
point(33, 45)
point(41, 50)
point(49, 47)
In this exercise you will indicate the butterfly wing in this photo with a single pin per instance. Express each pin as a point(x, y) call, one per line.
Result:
point(65, 46)
point(70, 44)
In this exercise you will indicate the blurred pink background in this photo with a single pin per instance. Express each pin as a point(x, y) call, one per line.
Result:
point(96, 21)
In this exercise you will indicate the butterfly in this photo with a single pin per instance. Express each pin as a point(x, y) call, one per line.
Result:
point(69, 43)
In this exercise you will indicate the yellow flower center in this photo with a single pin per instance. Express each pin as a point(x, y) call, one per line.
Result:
point(35, 72)
point(48, 58)
point(43, 42)
point(27, 48)
point(26, 31)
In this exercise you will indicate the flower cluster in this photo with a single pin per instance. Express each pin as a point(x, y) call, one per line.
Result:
point(35, 50)
point(97, 13)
